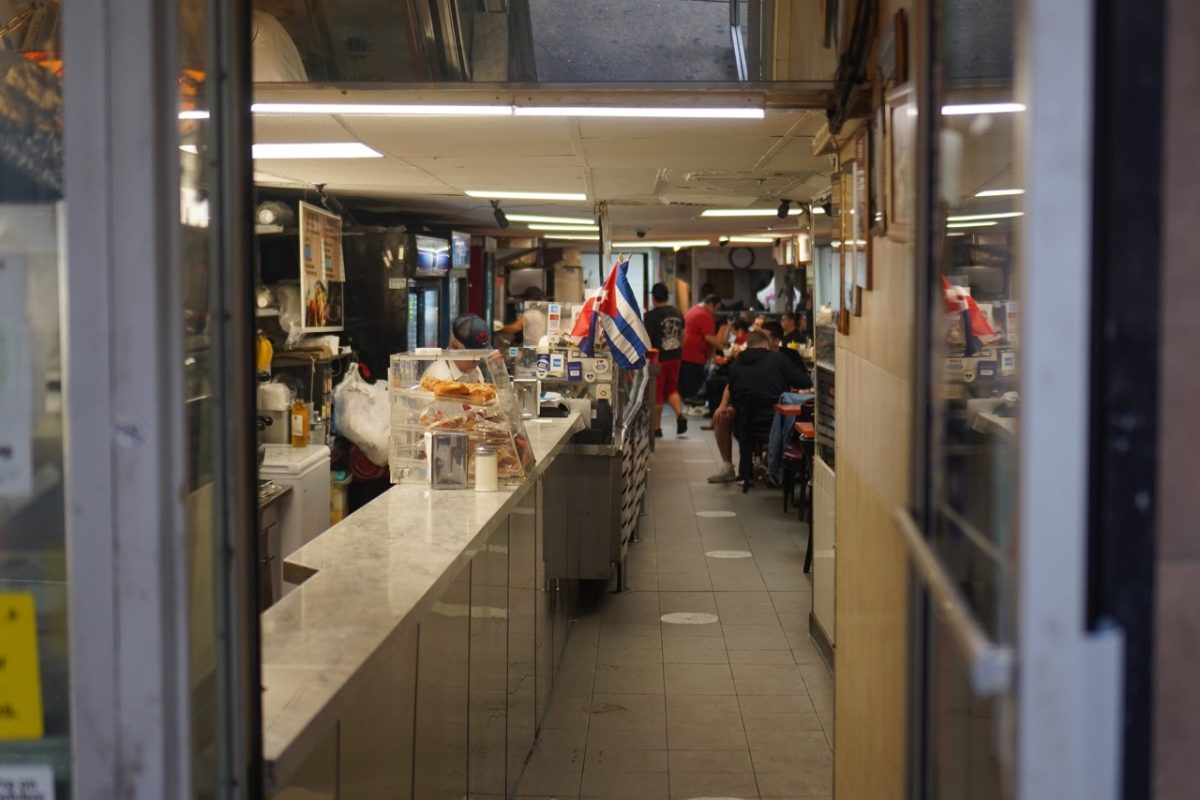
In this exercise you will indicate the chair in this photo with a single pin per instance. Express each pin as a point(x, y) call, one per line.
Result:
point(797, 455)
point(752, 429)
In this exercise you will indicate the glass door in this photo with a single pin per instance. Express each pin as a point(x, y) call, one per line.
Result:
point(1010, 688)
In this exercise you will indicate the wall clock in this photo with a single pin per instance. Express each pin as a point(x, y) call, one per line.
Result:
point(741, 258)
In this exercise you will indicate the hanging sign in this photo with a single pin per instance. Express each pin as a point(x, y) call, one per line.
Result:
point(322, 269)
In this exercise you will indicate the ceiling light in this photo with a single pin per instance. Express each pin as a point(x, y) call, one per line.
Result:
point(576, 228)
point(676, 245)
point(981, 224)
point(784, 207)
point(190, 148)
point(299, 150)
point(751, 239)
point(956, 233)
point(996, 215)
point(966, 109)
point(835, 244)
point(724, 240)
point(747, 212)
point(999, 192)
point(631, 111)
point(524, 195)
point(551, 220)
point(501, 220)
point(194, 114)
point(576, 237)
point(384, 109)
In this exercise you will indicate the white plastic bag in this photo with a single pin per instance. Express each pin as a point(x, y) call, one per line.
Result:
point(362, 414)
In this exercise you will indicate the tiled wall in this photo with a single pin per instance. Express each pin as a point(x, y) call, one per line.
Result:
point(1177, 689)
point(874, 368)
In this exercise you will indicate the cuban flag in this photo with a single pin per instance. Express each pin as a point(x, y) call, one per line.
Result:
point(615, 311)
point(957, 299)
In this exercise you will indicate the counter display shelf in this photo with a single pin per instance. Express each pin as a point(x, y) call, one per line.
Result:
point(454, 391)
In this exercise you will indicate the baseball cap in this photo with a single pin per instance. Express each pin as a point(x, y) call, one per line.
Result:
point(471, 332)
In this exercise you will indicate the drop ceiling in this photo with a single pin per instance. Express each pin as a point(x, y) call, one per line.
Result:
point(656, 175)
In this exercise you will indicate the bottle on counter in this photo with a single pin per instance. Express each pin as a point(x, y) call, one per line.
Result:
point(487, 468)
point(299, 423)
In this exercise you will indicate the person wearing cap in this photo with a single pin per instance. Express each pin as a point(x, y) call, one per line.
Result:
point(532, 323)
point(468, 332)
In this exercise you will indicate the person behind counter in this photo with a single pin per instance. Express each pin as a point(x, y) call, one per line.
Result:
point(531, 323)
point(468, 332)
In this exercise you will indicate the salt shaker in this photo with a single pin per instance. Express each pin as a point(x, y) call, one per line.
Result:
point(487, 468)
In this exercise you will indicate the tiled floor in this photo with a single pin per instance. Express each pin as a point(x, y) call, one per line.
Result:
point(738, 708)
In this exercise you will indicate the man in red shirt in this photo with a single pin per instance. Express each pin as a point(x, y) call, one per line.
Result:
point(699, 339)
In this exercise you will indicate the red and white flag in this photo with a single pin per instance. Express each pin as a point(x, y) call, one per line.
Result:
point(957, 299)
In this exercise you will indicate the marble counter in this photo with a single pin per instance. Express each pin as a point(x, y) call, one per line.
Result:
point(377, 571)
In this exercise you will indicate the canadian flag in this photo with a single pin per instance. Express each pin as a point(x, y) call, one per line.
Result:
point(957, 299)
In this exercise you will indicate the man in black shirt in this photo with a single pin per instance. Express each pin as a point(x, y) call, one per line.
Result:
point(664, 323)
point(759, 374)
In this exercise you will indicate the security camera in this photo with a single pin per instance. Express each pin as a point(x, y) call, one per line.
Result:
point(640, 234)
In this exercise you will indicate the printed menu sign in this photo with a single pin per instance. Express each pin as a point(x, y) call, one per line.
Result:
point(322, 269)
point(20, 678)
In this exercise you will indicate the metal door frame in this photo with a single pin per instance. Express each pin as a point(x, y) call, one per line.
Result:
point(126, 468)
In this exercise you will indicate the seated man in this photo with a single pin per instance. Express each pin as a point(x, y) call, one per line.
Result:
point(758, 374)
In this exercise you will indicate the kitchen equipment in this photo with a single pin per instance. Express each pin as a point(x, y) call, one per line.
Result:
point(305, 511)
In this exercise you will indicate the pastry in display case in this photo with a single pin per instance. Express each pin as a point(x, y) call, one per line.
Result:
point(454, 391)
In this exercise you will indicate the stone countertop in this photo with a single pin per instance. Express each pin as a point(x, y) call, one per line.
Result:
point(376, 572)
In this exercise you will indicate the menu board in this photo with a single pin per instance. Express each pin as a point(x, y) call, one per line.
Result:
point(322, 270)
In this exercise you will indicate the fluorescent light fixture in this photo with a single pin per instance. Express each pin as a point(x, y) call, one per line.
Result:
point(551, 220)
point(645, 113)
point(499, 195)
point(956, 233)
point(573, 237)
point(1000, 193)
point(194, 114)
point(747, 212)
point(980, 224)
point(967, 109)
point(568, 228)
point(384, 109)
point(301, 150)
point(190, 148)
point(751, 239)
point(996, 215)
point(818, 210)
point(676, 245)
point(835, 244)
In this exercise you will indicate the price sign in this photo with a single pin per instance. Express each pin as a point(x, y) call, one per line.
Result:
point(20, 679)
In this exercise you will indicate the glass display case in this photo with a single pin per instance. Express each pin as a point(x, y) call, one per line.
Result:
point(454, 391)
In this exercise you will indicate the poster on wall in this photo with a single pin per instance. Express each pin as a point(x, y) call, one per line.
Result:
point(322, 269)
point(900, 193)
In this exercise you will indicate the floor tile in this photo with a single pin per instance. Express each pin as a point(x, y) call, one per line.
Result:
point(647, 739)
point(739, 708)
point(625, 785)
point(710, 761)
point(698, 679)
point(551, 783)
point(627, 761)
point(686, 785)
point(705, 731)
point(702, 703)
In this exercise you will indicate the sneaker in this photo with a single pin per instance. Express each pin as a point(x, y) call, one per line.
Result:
point(726, 475)
point(681, 426)
point(658, 433)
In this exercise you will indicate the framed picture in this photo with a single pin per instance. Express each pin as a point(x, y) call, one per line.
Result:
point(860, 212)
point(875, 155)
point(900, 108)
point(893, 50)
point(846, 227)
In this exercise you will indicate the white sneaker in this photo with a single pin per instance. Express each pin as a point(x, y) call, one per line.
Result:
point(726, 475)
